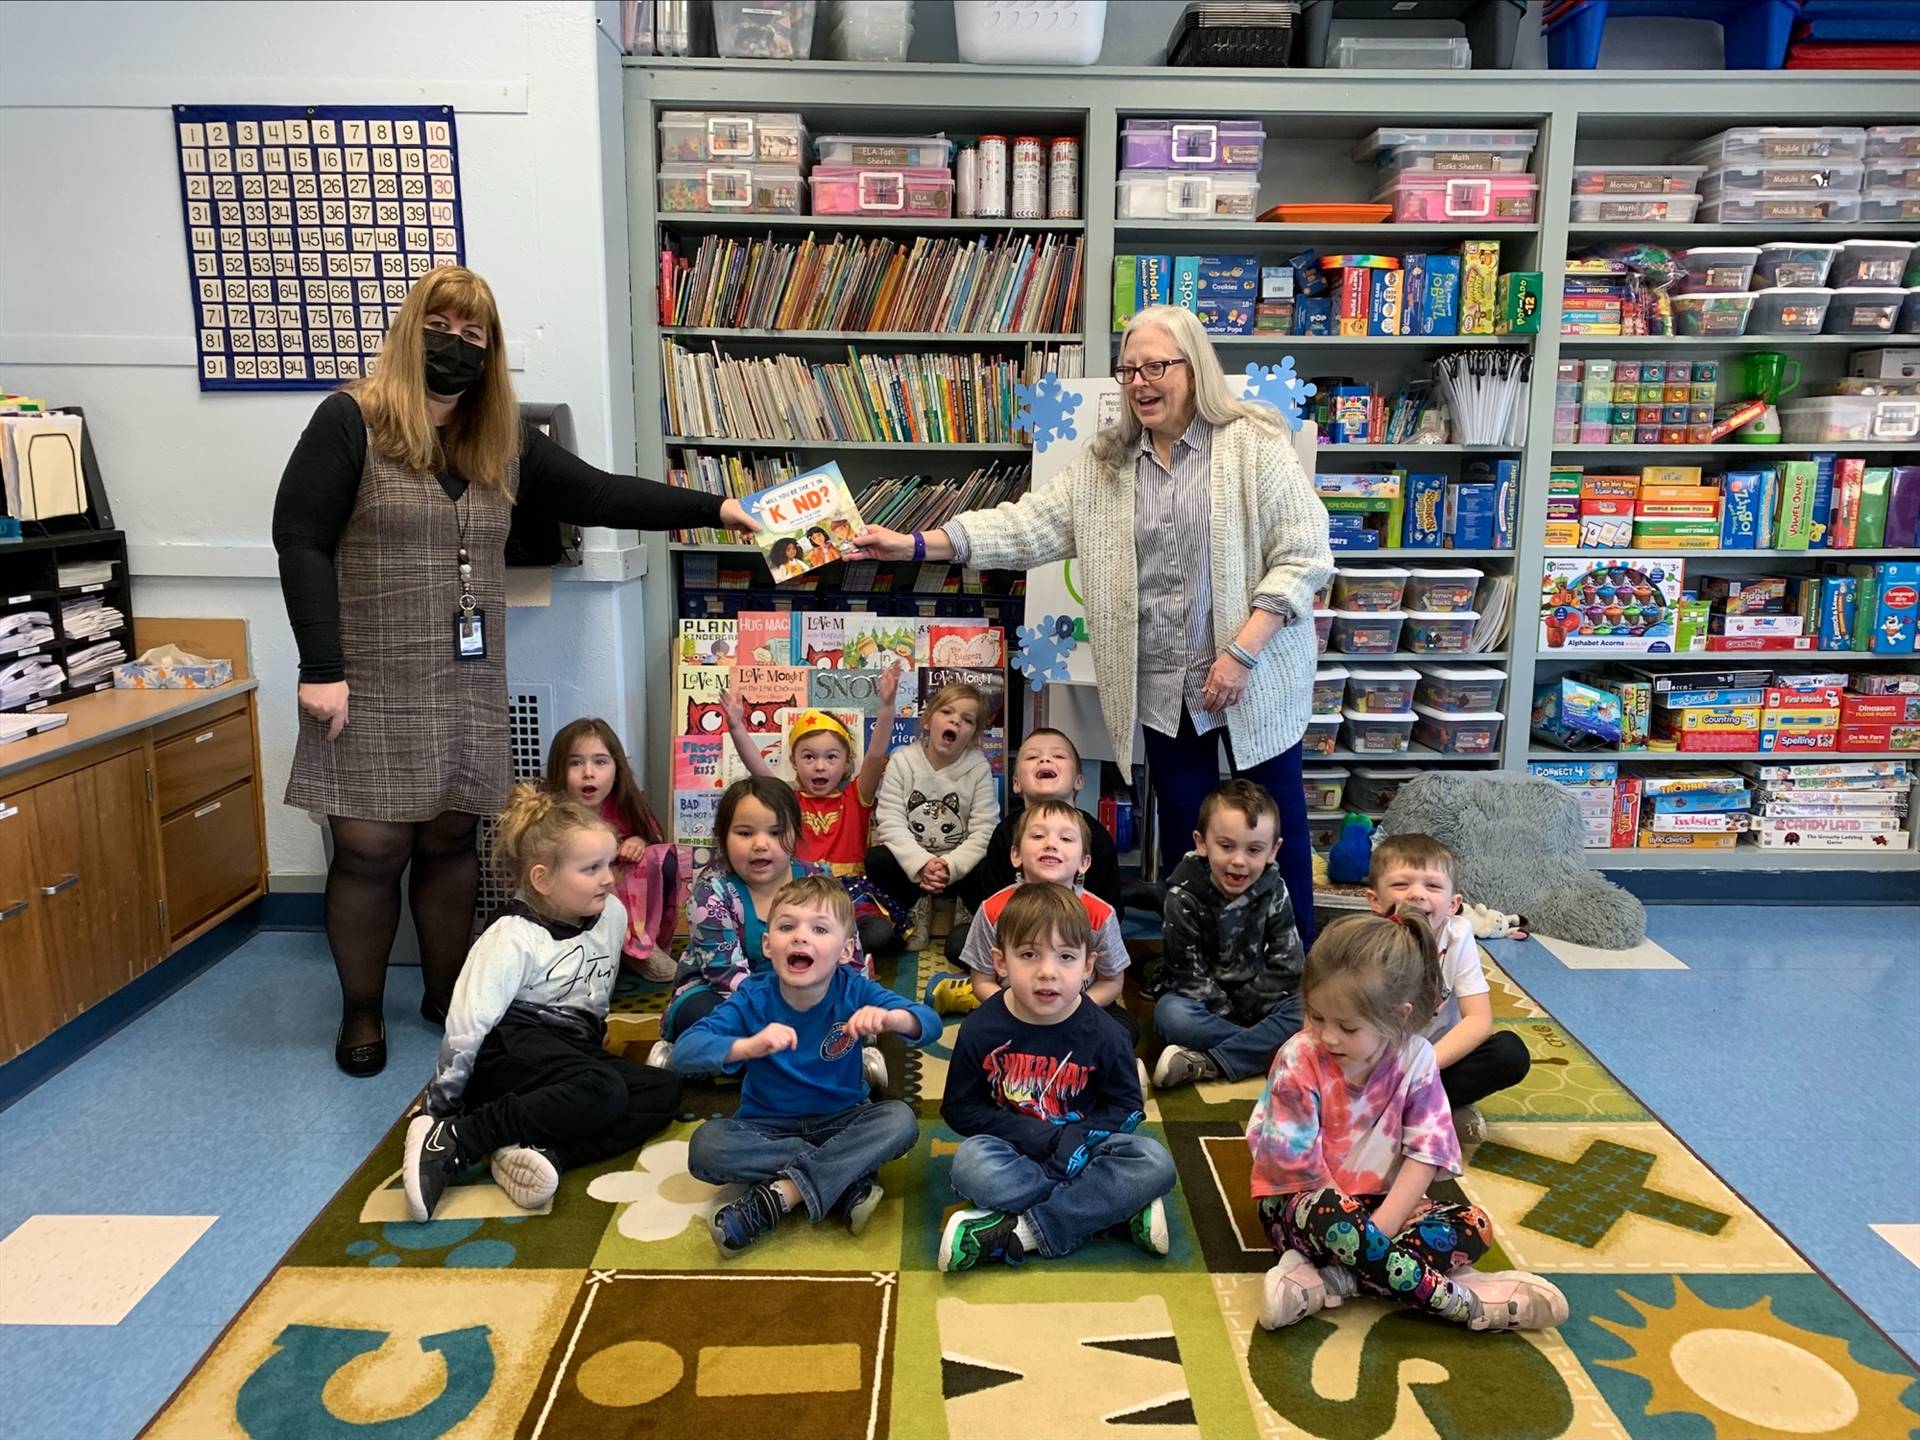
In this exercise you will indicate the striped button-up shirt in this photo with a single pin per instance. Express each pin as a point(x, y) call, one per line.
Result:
point(1172, 525)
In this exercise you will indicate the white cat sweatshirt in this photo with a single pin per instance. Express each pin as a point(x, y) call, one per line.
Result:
point(922, 812)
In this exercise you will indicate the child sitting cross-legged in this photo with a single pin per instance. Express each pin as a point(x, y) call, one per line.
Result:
point(522, 1079)
point(1043, 1086)
point(1229, 978)
point(805, 1135)
point(1349, 1133)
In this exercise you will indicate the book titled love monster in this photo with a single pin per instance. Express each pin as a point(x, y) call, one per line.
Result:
point(806, 522)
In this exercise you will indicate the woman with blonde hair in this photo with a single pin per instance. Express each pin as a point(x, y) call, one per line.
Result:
point(1199, 545)
point(391, 526)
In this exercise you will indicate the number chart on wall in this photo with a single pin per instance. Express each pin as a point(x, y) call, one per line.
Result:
point(305, 227)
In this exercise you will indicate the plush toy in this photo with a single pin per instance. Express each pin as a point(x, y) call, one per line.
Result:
point(1320, 870)
point(1347, 861)
point(1491, 924)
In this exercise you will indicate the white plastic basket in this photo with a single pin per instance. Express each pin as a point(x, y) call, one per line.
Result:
point(1030, 32)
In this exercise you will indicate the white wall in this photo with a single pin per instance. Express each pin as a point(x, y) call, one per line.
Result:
point(95, 307)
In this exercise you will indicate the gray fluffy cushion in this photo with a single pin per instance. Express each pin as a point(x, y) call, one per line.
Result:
point(1517, 840)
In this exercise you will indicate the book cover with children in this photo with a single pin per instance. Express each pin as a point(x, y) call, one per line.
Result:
point(806, 522)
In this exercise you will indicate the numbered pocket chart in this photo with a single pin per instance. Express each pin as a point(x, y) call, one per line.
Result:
point(305, 227)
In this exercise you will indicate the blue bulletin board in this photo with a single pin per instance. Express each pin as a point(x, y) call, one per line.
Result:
point(305, 226)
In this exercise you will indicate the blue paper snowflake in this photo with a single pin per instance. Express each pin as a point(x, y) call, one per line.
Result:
point(1047, 410)
point(1044, 648)
point(1282, 389)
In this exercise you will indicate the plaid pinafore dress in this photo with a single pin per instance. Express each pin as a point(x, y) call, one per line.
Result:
point(426, 732)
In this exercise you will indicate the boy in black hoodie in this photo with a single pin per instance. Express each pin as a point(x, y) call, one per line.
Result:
point(1229, 979)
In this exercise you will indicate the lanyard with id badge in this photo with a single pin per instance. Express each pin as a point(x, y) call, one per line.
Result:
point(469, 621)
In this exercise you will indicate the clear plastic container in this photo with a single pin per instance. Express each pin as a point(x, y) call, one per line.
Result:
point(847, 190)
point(1442, 588)
point(1870, 262)
point(1434, 197)
point(1827, 419)
point(763, 29)
point(1634, 209)
point(1636, 179)
point(1397, 52)
point(1709, 269)
point(885, 152)
point(1789, 310)
point(1893, 175)
point(1864, 309)
point(1881, 206)
point(1325, 786)
point(1367, 632)
point(1323, 828)
point(1786, 177)
point(732, 189)
point(1769, 207)
point(1460, 689)
point(1747, 143)
point(1444, 149)
point(1711, 314)
point(691, 136)
point(1322, 628)
point(1793, 262)
point(1371, 788)
point(1893, 142)
point(1186, 195)
point(1375, 587)
point(1192, 145)
point(1441, 632)
point(1323, 734)
point(1472, 734)
point(1387, 690)
point(1491, 158)
point(1369, 734)
point(1329, 688)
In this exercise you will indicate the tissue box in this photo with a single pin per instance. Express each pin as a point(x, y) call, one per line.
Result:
point(135, 675)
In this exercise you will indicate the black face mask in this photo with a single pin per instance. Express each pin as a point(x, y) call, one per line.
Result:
point(453, 364)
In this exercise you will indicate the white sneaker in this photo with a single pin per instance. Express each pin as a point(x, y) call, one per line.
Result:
point(1290, 1292)
point(873, 1065)
point(660, 1057)
point(1513, 1300)
point(528, 1175)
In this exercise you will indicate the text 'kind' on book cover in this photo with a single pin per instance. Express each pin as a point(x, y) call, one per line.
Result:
point(806, 522)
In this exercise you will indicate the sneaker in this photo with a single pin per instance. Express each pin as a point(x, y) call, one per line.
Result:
point(873, 1065)
point(659, 966)
point(975, 1235)
point(1179, 1066)
point(1512, 1300)
point(1471, 1126)
point(861, 1202)
point(660, 1057)
point(1342, 1284)
point(436, 1151)
point(1290, 1292)
point(1140, 1069)
point(919, 920)
point(1147, 1229)
point(951, 995)
point(737, 1225)
point(527, 1173)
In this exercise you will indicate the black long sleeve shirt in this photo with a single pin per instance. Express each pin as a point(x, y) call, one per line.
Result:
point(322, 481)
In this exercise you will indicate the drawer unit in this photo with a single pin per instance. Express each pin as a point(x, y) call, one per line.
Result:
point(212, 757)
point(210, 856)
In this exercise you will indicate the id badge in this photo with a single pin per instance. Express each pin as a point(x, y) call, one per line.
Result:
point(470, 635)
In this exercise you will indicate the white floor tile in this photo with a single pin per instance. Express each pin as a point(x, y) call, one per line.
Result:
point(1647, 955)
point(89, 1269)
point(1904, 1238)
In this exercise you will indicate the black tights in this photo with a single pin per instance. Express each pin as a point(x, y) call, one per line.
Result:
point(363, 907)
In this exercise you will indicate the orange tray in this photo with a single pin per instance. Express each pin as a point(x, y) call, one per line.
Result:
point(1328, 214)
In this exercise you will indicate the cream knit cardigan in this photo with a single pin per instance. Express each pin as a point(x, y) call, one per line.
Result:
point(1269, 538)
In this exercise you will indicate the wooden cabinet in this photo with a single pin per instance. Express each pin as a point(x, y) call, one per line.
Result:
point(29, 1004)
point(210, 854)
point(210, 756)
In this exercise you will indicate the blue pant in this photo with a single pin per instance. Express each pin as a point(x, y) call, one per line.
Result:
point(1239, 1050)
point(824, 1156)
point(1124, 1174)
point(1184, 767)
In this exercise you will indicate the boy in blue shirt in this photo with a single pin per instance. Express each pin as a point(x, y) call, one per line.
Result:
point(805, 1133)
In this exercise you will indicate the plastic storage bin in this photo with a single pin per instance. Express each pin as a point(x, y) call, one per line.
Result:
point(1433, 197)
point(1769, 207)
point(1636, 179)
point(1367, 632)
point(1870, 262)
point(1371, 788)
point(1400, 52)
point(1322, 628)
point(1747, 143)
point(1893, 142)
point(1186, 195)
point(1881, 206)
point(763, 29)
point(1329, 688)
point(887, 152)
point(1370, 734)
point(1790, 176)
point(1030, 32)
point(870, 30)
point(1754, 33)
point(1325, 786)
point(1323, 828)
point(1382, 691)
point(1323, 734)
point(1789, 310)
point(1892, 175)
point(1441, 588)
point(1828, 419)
point(1192, 145)
point(1472, 734)
point(1634, 209)
point(843, 190)
point(1460, 151)
point(1709, 269)
point(1460, 689)
point(1711, 314)
point(1369, 588)
point(1441, 632)
point(1864, 309)
point(732, 189)
point(691, 136)
point(1793, 262)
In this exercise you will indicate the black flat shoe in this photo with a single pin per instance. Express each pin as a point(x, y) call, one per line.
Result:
point(431, 1013)
point(361, 1060)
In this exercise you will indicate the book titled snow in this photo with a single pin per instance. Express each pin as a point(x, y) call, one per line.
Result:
point(806, 522)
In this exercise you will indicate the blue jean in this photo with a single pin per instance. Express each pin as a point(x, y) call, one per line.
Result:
point(1239, 1050)
point(1184, 767)
point(824, 1156)
point(1123, 1175)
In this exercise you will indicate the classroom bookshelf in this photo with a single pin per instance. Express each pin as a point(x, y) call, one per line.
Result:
point(1313, 120)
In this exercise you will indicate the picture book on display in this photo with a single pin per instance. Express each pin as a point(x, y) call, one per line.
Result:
point(806, 522)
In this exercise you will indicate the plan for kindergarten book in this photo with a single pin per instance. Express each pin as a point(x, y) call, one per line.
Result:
point(806, 522)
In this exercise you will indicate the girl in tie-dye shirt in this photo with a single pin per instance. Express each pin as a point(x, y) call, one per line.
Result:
point(1352, 1128)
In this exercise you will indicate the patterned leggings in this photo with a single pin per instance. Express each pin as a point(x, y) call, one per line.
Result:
point(1330, 1228)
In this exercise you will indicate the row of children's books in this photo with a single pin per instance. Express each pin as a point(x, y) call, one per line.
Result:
point(1015, 284)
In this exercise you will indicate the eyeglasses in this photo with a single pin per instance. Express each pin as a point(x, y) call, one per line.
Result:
point(1150, 370)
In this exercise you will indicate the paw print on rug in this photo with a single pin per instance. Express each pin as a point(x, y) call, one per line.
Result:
point(1047, 410)
point(660, 1197)
point(1044, 648)
point(1281, 388)
point(453, 1236)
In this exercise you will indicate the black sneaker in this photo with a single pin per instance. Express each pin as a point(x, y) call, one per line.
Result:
point(737, 1225)
point(436, 1151)
point(859, 1203)
point(975, 1235)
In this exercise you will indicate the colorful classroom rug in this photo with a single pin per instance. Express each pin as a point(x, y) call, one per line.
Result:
point(612, 1316)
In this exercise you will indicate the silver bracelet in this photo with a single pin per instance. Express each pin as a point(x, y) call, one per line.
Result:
point(1242, 654)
